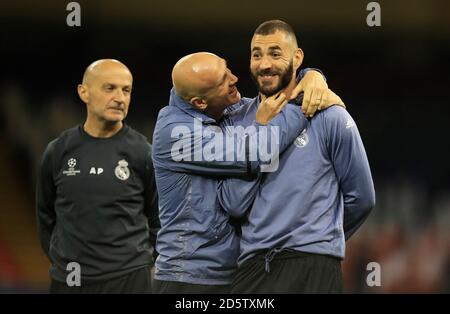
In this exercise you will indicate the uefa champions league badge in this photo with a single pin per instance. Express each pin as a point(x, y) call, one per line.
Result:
point(71, 171)
point(122, 172)
point(302, 140)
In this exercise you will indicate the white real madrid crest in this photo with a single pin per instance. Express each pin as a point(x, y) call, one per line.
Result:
point(122, 172)
point(302, 140)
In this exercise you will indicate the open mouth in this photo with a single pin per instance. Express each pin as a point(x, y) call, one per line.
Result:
point(267, 76)
point(233, 91)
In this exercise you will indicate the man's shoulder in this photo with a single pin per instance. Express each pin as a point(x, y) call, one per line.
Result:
point(72, 132)
point(59, 143)
point(336, 120)
point(138, 142)
point(136, 135)
point(334, 111)
point(334, 115)
point(171, 115)
point(67, 135)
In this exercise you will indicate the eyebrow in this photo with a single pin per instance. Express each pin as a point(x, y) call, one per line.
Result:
point(275, 47)
point(115, 85)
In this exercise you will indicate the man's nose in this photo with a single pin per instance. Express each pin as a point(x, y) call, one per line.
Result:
point(234, 79)
point(119, 96)
point(265, 63)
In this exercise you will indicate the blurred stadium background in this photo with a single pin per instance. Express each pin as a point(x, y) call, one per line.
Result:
point(394, 80)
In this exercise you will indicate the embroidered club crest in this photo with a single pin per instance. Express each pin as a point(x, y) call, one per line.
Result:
point(122, 172)
point(302, 140)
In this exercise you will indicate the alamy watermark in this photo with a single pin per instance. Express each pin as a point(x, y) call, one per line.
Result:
point(374, 17)
point(74, 17)
point(233, 144)
point(74, 277)
point(374, 277)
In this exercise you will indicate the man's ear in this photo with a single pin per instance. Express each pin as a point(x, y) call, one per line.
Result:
point(298, 58)
point(198, 103)
point(83, 93)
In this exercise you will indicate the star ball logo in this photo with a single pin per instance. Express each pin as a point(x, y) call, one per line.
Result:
point(72, 162)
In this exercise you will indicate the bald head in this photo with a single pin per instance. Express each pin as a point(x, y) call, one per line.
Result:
point(104, 66)
point(195, 74)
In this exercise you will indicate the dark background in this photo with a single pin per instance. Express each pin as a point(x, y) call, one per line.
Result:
point(393, 79)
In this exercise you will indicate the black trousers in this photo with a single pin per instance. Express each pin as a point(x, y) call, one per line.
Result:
point(138, 281)
point(289, 272)
point(174, 287)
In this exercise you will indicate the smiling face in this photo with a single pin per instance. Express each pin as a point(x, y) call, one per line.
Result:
point(224, 92)
point(274, 62)
point(204, 80)
point(106, 90)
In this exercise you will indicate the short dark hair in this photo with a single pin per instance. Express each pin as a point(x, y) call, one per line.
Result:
point(272, 26)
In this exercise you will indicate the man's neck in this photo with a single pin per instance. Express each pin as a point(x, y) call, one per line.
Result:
point(215, 115)
point(102, 129)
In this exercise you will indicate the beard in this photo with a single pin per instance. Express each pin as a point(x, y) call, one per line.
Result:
point(284, 79)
